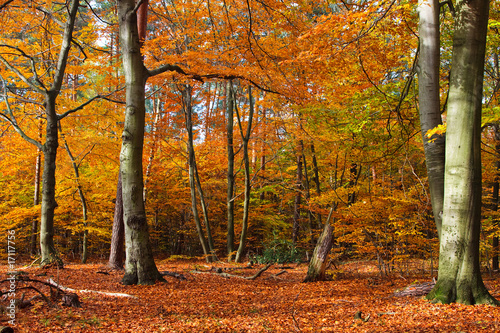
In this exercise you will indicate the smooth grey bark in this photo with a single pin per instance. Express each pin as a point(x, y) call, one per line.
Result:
point(459, 277)
point(140, 267)
point(193, 175)
point(230, 170)
point(246, 161)
point(429, 103)
point(116, 253)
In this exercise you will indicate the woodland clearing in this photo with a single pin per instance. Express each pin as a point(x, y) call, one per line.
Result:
point(357, 299)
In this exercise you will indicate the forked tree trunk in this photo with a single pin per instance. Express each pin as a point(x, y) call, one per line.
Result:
point(246, 161)
point(230, 170)
point(459, 277)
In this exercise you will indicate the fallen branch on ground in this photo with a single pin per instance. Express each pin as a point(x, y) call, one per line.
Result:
point(416, 289)
point(173, 274)
point(226, 275)
point(55, 284)
point(274, 276)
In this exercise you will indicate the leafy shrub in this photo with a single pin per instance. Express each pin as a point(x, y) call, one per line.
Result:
point(279, 251)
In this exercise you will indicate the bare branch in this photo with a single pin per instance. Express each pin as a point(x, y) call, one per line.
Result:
point(10, 118)
point(2, 6)
point(81, 106)
point(19, 74)
point(62, 60)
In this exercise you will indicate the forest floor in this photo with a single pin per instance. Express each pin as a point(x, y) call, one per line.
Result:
point(356, 300)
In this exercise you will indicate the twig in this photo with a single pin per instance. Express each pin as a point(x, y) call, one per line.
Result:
point(296, 323)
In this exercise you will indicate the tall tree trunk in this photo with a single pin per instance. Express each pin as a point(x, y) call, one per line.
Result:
point(307, 188)
point(298, 198)
point(140, 267)
point(429, 103)
point(47, 249)
point(316, 178)
point(230, 170)
point(246, 161)
point(152, 151)
point(262, 195)
point(204, 208)
point(459, 277)
point(80, 194)
point(116, 254)
point(36, 195)
point(496, 188)
point(193, 177)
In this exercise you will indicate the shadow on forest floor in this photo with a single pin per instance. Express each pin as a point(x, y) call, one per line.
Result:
point(357, 299)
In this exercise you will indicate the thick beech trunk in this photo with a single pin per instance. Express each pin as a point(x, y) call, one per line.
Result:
point(116, 254)
point(140, 267)
point(459, 277)
point(429, 103)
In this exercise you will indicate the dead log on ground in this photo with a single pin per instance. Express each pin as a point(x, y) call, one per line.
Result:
point(55, 284)
point(416, 289)
point(226, 275)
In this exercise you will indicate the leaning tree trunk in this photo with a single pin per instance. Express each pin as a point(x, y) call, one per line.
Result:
point(140, 267)
point(116, 256)
point(459, 277)
point(429, 103)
